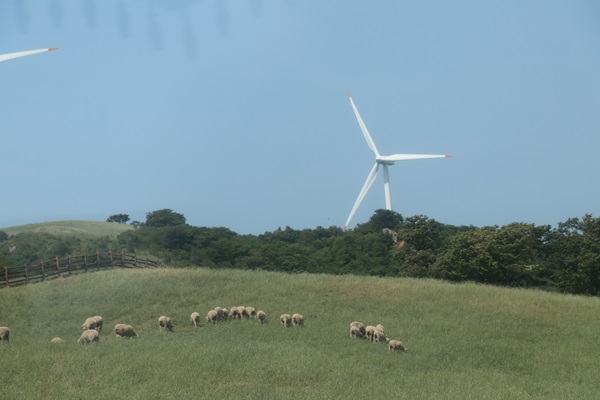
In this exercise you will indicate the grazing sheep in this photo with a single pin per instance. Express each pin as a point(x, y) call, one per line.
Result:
point(99, 322)
point(242, 311)
point(165, 323)
point(212, 316)
point(89, 336)
point(360, 327)
point(92, 323)
point(195, 319)
point(396, 345)
point(379, 336)
point(297, 320)
point(4, 334)
point(56, 340)
point(250, 312)
point(286, 320)
point(380, 327)
point(355, 332)
point(219, 311)
point(124, 330)
point(261, 316)
point(369, 329)
point(225, 314)
point(234, 313)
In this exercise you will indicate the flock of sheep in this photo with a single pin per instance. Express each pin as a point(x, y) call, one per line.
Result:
point(93, 326)
point(375, 334)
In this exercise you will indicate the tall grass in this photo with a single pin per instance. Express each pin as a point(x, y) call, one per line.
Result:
point(465, 341)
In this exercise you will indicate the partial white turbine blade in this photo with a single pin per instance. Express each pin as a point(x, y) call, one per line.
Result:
point(363, 192)
point(10, 56)
point(364, 129)
point(403, 157)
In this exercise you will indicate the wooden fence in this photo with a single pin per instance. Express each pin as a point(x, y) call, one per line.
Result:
point(13, 276)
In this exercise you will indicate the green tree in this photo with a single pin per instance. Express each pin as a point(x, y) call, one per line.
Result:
point(118, 218)
point(575, 255)
point(165, 217)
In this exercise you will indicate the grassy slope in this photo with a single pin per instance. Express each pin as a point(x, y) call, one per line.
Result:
point(93, 228)
point(465, 341)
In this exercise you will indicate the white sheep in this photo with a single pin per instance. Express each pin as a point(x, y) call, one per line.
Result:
point(89, 336)
point(286, 320)
point(165, 323)
point(396, 345)
point(56, 340)
point(4, 334)
point(99, 322)
point(219, 311)
point(379, 336)
point(195, 319)
point(225, 314)
point(297, 320)
point(92, 323)
point(360, 326)
point(369, 329)
point(242, 311)
point(234, 313)
point(261, 316)
point(212, 316)
point(250, 312)
point(355, 332)
point(124, 330)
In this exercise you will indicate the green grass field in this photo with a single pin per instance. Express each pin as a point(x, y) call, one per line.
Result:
point(71, 228)
point(465, 341)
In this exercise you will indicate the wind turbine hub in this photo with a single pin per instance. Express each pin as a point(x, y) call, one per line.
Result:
point(382, 160)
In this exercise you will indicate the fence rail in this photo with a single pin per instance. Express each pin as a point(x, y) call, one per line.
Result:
point(56, 267)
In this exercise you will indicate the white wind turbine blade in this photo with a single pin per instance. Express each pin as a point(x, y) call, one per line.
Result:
point(10, 56)
point(364, 129)
point(363, 192)
point(403, 157)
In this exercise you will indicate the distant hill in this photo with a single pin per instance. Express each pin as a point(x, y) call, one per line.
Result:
point(91, 228)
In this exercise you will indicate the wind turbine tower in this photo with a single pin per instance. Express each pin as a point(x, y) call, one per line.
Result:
point(385, 161)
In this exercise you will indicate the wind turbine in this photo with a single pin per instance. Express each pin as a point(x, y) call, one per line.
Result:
point(385, 161)
point(10, 56)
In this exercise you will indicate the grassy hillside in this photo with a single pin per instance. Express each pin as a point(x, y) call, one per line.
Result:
point(465, 341)
point(72, 228)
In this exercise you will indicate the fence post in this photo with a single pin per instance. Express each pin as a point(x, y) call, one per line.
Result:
point(26, 273)
point(85, 263)
point(43, 273)
point(112, 265)
point(69, 264)
point(135, 261)
point(97, 261)
point(6, 275)
point(122, 260)
point(57, 266)
point(146, 261)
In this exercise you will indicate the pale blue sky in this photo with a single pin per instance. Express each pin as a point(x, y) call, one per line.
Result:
point(234, 112)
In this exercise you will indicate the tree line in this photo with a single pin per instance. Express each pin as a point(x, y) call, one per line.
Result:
point(564, 259)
